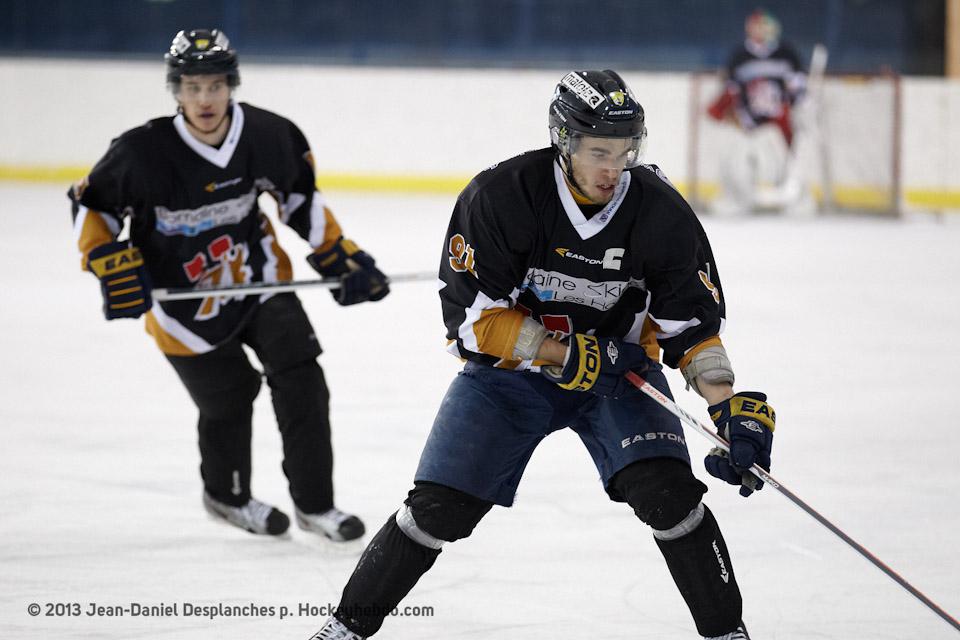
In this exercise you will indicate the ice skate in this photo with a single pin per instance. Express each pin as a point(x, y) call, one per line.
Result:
point(255, 516)
point(334, 630)
point(739, 634)
point(333, 524)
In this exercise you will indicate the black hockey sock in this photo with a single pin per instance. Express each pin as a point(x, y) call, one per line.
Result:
point(701, 567)
point(389, 567)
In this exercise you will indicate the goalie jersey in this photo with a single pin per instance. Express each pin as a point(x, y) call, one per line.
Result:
point(767, 83)
point(193, 213)
point(518, 245)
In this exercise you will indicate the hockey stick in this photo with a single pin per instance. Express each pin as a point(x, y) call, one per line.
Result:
point(250, 289)
point(710, 435)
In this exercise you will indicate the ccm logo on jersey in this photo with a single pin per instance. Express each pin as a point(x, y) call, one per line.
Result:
point(461, 255)
point(611, 259)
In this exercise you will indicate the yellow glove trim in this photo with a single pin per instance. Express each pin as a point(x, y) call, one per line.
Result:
point(588, 370)
point(757, 409)
point(116, 262)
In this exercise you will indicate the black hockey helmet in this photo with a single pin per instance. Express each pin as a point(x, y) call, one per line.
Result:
point(201, 51)
point(598, 104)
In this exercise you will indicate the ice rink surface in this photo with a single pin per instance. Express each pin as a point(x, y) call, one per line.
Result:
point(849, 324)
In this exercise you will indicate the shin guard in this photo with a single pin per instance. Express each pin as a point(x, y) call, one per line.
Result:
point(701, 567)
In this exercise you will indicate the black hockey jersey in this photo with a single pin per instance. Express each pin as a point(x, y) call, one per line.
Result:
point(519, 245)
point(194, 215)
point(766, 82)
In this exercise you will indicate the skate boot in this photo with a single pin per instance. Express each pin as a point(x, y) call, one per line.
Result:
point(255, 516)
point(739, 634)
point(335, 630)
point(333, 523)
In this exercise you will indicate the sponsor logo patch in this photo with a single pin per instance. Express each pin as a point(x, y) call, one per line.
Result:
point(216, 186)
point(193, 222)
point(553, 286)
point(582, 89)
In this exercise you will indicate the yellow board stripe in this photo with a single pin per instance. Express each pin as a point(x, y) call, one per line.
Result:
point(851, 195)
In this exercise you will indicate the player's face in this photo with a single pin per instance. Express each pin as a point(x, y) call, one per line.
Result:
point(598, 163)
point(205, 100)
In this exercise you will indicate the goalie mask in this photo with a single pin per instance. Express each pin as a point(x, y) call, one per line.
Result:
point(595, 104)
point(762, 30)
point(201, 52)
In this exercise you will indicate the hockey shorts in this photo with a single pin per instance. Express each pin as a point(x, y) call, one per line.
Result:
point(491, 420)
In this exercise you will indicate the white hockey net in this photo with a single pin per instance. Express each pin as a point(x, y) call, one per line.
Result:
point(847, 144)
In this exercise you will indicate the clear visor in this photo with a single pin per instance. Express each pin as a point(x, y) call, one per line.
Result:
point(202, 88)
point(606, 153)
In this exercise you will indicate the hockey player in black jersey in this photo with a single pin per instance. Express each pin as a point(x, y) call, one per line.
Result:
point(189, 186)
point(563, 269)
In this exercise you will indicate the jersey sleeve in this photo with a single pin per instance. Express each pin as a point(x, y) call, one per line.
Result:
point(687, 303)
point(101, 200)
point(483, 266)
point(300, 203)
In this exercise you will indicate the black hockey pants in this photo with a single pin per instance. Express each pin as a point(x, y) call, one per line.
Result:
point(223, 385)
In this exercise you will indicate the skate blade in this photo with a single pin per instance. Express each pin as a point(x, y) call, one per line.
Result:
point(325, 545)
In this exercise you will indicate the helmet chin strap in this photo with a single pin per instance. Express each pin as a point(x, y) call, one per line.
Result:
point(567, 166)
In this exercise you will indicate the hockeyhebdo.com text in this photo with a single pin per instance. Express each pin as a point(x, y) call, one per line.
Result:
point(212, 610)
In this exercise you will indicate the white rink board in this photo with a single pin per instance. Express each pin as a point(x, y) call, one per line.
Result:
point(409, 121)
point(848, 325)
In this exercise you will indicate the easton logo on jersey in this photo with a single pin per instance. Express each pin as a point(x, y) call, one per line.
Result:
point(610, 260)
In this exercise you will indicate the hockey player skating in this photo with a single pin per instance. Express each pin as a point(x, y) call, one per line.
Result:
point(563, 269)
point(763, 93)
point(189, 185)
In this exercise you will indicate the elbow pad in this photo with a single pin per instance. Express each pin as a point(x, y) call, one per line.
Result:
point(710, 365)
point(531, 336)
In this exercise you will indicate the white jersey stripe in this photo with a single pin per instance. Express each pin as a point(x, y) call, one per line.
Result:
point(189, 339)
point(673, 328)
point(318, 219)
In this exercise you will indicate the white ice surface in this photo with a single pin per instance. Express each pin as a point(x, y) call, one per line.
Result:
point(850, 326)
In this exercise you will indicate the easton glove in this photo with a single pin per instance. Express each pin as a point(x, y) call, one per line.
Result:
point(598, 365)
point(360, 280)
point(746, 421)
point(124, 281)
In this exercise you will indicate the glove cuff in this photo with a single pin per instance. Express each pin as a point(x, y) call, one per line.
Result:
point(112, 258)
point(749, 404)
point(333, 261)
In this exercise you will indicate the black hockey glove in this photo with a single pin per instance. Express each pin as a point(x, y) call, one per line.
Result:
point(124, 281)
point(746, 421)
point(360, 280)
point(598, 365)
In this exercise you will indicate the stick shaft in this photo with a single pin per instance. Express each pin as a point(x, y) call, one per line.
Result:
point(695, 424)
point(251, 289)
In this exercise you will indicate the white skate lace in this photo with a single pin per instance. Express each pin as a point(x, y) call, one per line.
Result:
point(334, 630)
